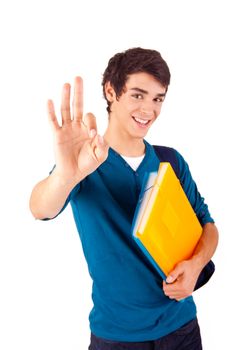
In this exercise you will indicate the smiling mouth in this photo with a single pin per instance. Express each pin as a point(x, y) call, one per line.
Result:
point(141, 122)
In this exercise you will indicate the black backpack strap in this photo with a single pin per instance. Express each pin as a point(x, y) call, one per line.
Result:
point(168, 154)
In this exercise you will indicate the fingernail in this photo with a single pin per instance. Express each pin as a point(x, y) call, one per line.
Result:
point(169, 279)
point(92, 133)
point(101, 139)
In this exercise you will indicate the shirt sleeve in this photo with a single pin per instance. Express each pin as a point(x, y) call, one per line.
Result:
point(191, 190)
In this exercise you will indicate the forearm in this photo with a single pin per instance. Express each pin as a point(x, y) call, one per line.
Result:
point(49, 196)
point(206, 246)
point(182, 280)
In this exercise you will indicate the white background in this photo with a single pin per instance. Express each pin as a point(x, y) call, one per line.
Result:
point(45, 290)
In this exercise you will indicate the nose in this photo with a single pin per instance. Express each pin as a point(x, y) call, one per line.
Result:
point(147, 110)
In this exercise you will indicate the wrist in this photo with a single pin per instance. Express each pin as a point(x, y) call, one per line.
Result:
point(198, 262)
point(61, 181)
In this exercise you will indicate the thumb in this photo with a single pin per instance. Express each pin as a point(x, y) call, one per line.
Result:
point(174, 274)
point(101, 150)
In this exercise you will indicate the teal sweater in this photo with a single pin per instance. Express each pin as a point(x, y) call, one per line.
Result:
point(129, 303)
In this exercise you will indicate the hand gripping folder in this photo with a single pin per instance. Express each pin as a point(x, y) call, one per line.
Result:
point(165, 225)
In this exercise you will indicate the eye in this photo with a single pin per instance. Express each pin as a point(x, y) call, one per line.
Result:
point(137, 96)
point(159, 99)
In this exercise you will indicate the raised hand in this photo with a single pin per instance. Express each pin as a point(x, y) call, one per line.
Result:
point(79, 150)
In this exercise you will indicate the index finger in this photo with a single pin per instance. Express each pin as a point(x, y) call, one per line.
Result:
point(78, 99)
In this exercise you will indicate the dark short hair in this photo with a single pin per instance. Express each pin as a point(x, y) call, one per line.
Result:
point(131, 61)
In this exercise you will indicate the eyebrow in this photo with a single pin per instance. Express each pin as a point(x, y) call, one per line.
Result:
point(146, 92)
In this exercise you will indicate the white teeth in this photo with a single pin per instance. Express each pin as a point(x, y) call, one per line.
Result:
point(141, 120)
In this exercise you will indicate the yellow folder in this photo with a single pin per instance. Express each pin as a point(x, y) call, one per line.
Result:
point(165, 225)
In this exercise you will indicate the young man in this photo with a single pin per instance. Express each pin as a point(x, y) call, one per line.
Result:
point(101, 177)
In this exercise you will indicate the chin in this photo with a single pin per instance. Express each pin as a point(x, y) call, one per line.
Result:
point(139, 135)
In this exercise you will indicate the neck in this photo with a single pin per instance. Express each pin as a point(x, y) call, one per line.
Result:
point(124, 144)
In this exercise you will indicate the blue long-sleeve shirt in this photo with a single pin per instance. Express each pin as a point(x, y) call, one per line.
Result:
point(129, 302)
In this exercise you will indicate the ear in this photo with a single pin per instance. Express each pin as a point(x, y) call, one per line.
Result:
point(109, 92)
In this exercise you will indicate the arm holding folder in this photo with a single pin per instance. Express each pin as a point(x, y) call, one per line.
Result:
point(168, 231)
point(181, 281)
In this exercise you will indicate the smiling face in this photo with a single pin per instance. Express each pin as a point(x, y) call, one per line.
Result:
point(133, 113)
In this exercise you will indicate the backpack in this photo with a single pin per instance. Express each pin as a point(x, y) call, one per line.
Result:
point(168, 154)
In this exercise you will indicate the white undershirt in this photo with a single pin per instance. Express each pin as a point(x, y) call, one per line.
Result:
point(134, 162)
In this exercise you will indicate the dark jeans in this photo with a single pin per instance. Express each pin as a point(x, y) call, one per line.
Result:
point(185, 338)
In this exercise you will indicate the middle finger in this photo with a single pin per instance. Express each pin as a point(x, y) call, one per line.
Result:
point(78, 99)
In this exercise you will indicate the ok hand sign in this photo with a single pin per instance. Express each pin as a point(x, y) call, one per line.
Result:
point(79, 150)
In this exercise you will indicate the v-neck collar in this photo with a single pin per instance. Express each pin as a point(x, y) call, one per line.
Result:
point(149, 151)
